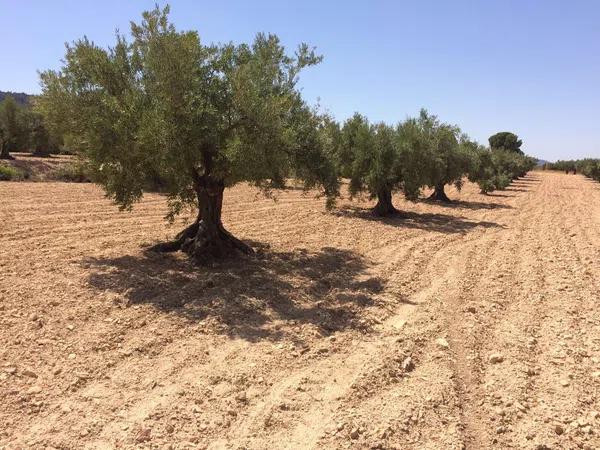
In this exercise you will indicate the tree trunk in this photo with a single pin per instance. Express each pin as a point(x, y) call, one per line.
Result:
point(439, 194)
point(206, 239)
point(384, 206)
point(4, 151)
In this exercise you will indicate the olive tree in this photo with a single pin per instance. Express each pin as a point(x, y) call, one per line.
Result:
point(482, 169)
point(40, 141)
point(495, 169)
point(202, 117)
point(377, 160)
point(11, 127)
point(443, 152)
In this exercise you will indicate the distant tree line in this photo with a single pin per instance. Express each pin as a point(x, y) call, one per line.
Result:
point(590, 167)
point(165, 108)
point(22, 129)
point(21, 98)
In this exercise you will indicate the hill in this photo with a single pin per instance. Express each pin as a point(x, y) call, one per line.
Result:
point(541, 162)
point(20, 97)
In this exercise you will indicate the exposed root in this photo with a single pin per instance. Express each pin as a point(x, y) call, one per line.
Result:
point(439, 195)
point(212, 243)
point(384, 206)
point(176, 244)
point(382, 210)
point(204, 243)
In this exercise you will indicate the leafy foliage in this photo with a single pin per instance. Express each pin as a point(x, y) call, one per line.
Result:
point(378, 159)
point(505, 140)
point(22, 128)
point(8, 173)
point(167, 105)
point(590, 167)
point(442, 151)
point(495, 169)
point(11, 127)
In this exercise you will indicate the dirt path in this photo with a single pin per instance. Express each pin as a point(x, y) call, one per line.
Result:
point(472, 326)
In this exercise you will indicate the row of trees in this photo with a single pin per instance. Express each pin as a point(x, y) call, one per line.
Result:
point(204, 117)
point(589, 167)
point(22, 129)
point(380, 159)
point(497, 168)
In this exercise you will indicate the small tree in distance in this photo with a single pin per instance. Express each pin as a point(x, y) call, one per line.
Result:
point(11, 127)
point(505, 140)
point(202, 117)
point(496, 169)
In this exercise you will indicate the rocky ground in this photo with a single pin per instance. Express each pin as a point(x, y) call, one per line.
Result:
point(473, 325)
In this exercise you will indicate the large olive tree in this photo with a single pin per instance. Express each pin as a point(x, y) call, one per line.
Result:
point(200, 117)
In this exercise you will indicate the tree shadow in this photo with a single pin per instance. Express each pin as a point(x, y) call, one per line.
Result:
point(529, 179)
point(512, 188)
point(590, 180)
point(463, 204)
point(442, 223)
point(250, 296)
point(497, 194)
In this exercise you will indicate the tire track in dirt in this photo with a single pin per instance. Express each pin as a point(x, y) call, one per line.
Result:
point(515, 388)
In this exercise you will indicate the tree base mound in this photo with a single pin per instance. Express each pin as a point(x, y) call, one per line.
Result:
point(205, 243)
point(384, 210)
point(384, 206)
point(439, 196)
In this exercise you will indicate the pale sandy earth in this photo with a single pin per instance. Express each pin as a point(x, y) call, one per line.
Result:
point(495, 300)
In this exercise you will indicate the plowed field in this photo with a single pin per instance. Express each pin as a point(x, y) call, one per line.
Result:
point(473, 325)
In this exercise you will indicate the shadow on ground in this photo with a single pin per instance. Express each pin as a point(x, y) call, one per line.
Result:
point(528, 179)
point(497, 194)
point(462, 204)
point(250, 296)
point(441, 223)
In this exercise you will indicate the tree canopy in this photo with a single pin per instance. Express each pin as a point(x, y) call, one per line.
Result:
point(22, 129)
point(495, 169)
point(505, 140)
point(11, 127)
point(441, 151)
point(200, 116)
point(378, 160)
point(161, 107)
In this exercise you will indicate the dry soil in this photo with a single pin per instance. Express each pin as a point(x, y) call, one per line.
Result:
point(473, 325)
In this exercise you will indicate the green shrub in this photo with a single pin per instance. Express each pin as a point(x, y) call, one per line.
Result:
point(486, 185)
point(8, 173)
point(502, 181)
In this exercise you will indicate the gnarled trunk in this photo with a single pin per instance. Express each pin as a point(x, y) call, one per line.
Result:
point(206, 239)
point(439, 194)
point(384, 206)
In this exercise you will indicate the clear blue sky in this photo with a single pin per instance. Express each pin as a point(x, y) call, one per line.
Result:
point(532, 67)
